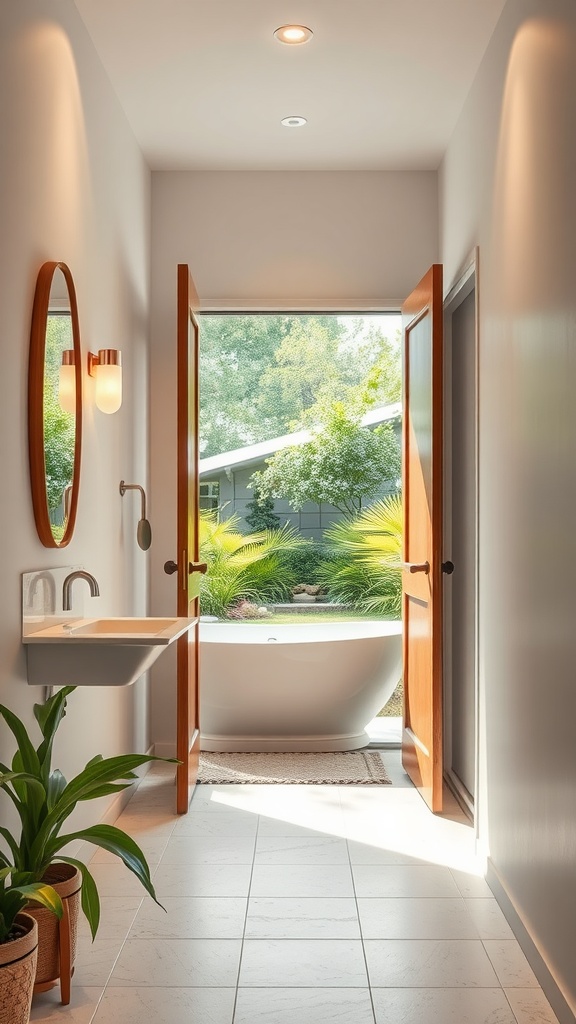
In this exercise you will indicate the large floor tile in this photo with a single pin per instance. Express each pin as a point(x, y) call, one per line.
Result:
point(308, 918)
point(116, 917)
point(488, 919)
point(419, 963)
point(416, 918)
point(270, 826)
point(152, 822)
point(441, 1006)
point(472, 886)
point(177, 963)
point(115, 879)
point(531, 1006)
point(202, 880)
point(301, 880)
point(166, 1006)
point(300, 850)
point(403, 880)
point(322, 963)
point(191, 918)
point(94, 962)
point(204, 824)
point(373, 853)
point(303, 1006)
point(47, 1008)
point(152, 847)
point(510, 964)
point(209, 850)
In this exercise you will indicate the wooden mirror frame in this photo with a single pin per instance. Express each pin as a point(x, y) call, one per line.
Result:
point(36, 450)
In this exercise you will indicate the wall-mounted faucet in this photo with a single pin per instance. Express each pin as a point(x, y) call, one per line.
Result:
point(79, 574)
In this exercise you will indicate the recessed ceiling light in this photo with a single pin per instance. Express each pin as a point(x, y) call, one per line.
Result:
point(293, 34)
point(293, 122)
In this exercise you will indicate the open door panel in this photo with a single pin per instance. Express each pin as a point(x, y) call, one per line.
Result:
point(422, 315)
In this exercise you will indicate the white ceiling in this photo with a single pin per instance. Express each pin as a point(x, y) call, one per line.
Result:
point(204, 84)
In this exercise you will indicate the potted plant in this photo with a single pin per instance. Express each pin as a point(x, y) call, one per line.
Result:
point(19, 943)
point(44, 800)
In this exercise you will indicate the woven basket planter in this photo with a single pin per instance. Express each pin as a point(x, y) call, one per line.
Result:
point(57, 940)
point(17, 972)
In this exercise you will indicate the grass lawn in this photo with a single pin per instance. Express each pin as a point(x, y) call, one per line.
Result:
point(304, 618)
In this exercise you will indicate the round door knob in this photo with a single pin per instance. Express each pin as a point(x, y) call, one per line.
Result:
point(170, 567)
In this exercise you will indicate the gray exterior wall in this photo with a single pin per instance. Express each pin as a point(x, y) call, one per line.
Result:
point(310, 521)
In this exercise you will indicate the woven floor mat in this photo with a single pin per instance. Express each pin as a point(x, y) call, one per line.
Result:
point(340, 768)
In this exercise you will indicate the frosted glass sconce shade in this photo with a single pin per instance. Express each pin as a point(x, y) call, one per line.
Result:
point(106, 368)
point(67, 382)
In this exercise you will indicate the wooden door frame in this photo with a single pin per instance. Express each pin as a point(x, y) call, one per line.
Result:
point(187, 739)
point(466, 282)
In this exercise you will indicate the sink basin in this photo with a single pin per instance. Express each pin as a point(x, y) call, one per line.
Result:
point(134, 628)
point(98, 652)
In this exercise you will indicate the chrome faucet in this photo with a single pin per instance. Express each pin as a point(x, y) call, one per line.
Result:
point(79, 574)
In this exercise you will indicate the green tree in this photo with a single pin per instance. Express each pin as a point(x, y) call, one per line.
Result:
point(341, 464)
point(262, 515)
point(59, 426)
point(262, 373)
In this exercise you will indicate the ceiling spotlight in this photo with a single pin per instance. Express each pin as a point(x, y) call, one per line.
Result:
point(293, 34)
point(293, 122)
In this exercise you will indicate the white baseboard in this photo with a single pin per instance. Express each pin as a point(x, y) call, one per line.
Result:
point(165, 749)
point(554, 994)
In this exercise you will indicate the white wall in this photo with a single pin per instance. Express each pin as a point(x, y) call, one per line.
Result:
point(275, 240)
point(73, 188)
point(508, 184)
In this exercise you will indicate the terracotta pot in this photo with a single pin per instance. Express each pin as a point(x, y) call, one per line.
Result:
point(57, 939)
point(17, 971)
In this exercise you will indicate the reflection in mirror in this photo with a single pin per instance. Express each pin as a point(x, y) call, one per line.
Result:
point(55, 405)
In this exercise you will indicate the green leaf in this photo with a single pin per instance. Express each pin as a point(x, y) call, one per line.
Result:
point(56, 786)
point(84, 787)
point(89, 895)
point(115, 841)
point(49, 715)
point(29, 756)
point(43, 894)
point(107, 790)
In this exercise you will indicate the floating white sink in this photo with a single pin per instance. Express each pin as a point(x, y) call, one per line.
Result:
point(98, 652)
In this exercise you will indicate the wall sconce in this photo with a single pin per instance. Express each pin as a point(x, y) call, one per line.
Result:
point(67, 382)
point(143, 530)
point(106, 368)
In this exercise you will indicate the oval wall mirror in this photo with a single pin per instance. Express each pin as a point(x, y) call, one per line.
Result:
point(55, 405)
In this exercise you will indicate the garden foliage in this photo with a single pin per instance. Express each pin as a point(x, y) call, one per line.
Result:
point(366, 553)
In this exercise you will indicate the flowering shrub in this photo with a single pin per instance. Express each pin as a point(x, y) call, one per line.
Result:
point(247, 610)
point(342, 463)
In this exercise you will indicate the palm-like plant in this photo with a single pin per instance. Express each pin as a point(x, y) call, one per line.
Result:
point(44, 800)
point(243, 567)
point(366, 553)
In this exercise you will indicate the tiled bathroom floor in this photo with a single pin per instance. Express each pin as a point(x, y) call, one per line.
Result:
point(299, 905)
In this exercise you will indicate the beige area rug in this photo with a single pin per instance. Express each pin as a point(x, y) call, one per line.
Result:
point(341, 768)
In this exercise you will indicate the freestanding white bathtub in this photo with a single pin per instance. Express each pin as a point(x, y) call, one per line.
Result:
point(295, 687)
